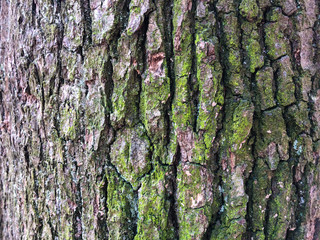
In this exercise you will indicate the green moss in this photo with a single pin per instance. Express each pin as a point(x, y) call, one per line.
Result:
point(235, 83)
point(274, 15)
point(68, 231)
point(153, 207)
point(126, 84)
point(273, 143)
point(275, 40)
point(121, 208)
point(298, 119)
point(234, 151)
point(233, 212)
point(231, 35)
point(285, 95)
point(260, 187)
point(125, 100)
point(281, 203)
point(264, 88)
point(249, 9)
point(197, 200)
point(211, 96)
point(254, 53)
point(119, 105)
point(181, 105)
point(231, 31)
point(234, 61)
point(193, 224)
point(153, 99)
point(284, 79)
point(240, 119)
point(182, 109)
point(259, 235)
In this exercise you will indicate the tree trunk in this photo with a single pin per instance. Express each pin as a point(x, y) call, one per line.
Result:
point(163, 119)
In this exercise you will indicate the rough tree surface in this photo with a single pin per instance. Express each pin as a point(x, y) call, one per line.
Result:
point(160, 119)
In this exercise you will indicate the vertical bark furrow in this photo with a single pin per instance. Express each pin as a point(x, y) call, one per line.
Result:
point(87, 22)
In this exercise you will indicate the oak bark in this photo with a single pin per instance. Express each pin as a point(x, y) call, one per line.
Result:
point(167, 119)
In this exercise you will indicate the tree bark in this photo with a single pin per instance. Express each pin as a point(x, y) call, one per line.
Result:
point(167, 119)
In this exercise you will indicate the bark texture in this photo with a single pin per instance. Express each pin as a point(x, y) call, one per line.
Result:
point(160, 119)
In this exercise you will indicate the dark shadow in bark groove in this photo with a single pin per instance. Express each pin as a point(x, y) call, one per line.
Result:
point(173, 215)
point(53, 231)
point(317, 230)
point(169, 55)
point(26, 157)
point(77, 222)
point(217, 217)
point(87, 22)
point(250, 180)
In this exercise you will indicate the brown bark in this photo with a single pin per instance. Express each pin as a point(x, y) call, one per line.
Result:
point(168, 119)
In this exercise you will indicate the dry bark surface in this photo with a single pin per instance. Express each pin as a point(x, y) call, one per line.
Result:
point(160, 119)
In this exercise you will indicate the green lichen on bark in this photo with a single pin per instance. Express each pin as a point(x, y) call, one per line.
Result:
point(195, 200)
point(169, 119)
point(131, 154)
point(276, 41)
point(281, 203)
point(154, 205)
point(121, 207)
point(265, 88)
point(273, 143)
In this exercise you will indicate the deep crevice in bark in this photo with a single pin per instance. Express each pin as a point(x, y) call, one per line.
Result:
point(87, 22)
point(216, 150)
point(173, 214)
point(167, 31)
point(249, 182)
point(77, 215)
point(317, 230)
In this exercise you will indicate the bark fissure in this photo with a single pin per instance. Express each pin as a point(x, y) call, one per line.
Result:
point(169, 55)
point(173, 215)
point(87, 22)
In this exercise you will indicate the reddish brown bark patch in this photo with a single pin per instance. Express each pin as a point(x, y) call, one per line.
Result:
point(155, 61)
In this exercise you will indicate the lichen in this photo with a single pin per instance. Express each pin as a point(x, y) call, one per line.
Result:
point(153, 206)
point(265, 88)
point(130, 154)
point(121, 207)
point(249, 9)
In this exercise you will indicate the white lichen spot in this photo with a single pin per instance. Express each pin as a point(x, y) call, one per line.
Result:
point(188, 173)
point(280, 184)
point(198, 202)
point(222, 209)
